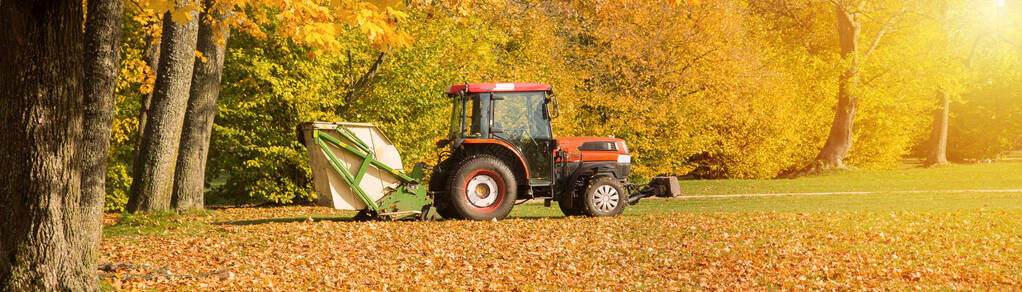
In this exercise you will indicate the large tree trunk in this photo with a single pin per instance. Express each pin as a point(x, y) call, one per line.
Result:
point(839, 142)
point(102, 64)
point(47, 234)
point(153, 172)
point(938, 139)
point(190, 174)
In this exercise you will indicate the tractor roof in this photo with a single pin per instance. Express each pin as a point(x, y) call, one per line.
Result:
point(497, 87)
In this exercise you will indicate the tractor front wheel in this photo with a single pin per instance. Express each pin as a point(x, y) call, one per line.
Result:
point(604, 197)
point(481, 188)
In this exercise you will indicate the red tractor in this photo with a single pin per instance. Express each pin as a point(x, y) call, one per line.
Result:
point(501, 148)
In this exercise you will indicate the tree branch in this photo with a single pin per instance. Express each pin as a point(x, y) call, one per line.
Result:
point(879, 36)
point(870, 80)
point(694, 61)
point(362, 83)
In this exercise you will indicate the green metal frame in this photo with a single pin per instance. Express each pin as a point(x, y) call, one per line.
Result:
point(408, 199)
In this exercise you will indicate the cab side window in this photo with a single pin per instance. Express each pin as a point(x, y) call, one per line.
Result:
point(472, 112)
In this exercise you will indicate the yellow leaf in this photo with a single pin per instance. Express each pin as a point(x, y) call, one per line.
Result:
point(182, 15)
point(201, 57)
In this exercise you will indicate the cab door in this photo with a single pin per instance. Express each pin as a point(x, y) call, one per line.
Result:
point(521, 119)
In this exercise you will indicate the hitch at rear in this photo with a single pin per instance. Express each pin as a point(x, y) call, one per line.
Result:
point(661, 186)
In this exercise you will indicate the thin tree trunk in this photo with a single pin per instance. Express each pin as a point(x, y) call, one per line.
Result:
point(938, 139)
point(45, 244)
point(839, 142)
point(153, 172)
point(152, 59)
point(190, 174)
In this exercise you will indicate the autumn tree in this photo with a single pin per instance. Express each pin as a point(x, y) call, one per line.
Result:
point(190, 172)
point(986, 117)
point(947, 70)
point(839, 141)
point(51, 194)
point(962, 34)
point(849, 27)
point(158, 148)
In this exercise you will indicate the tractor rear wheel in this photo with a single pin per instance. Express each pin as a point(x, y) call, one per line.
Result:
point(481, 188)
point(604, 197)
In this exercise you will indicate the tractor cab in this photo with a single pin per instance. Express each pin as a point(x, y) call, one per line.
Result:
point(514, 114)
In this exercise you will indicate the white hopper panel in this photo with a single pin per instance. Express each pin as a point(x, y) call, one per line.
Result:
point(331, 190)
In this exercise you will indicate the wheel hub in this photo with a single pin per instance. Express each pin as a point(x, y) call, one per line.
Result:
point(482, 191)
point(606, 198)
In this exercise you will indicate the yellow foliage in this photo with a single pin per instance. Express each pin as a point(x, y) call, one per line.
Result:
point(313, 23)
point(201, 58)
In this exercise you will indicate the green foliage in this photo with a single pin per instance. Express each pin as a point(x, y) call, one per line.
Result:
point(987, 123)
point(270, 86)
point(118, 181)
point(265, 94)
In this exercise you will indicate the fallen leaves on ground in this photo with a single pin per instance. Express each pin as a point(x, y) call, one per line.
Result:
point(311, 248)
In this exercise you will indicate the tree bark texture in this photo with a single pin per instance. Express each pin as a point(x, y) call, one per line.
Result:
point(46, 242)
point(102, 64)
point(152, 59)
point(153, 172)
point(190, 174)
point(938, 139)
point(839, 141)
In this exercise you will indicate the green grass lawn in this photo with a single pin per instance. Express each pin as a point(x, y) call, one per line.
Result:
point(807, 204)
point(987, 176)
point(980, 176)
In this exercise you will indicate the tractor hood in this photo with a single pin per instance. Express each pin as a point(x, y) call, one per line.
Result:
point(594, 148)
